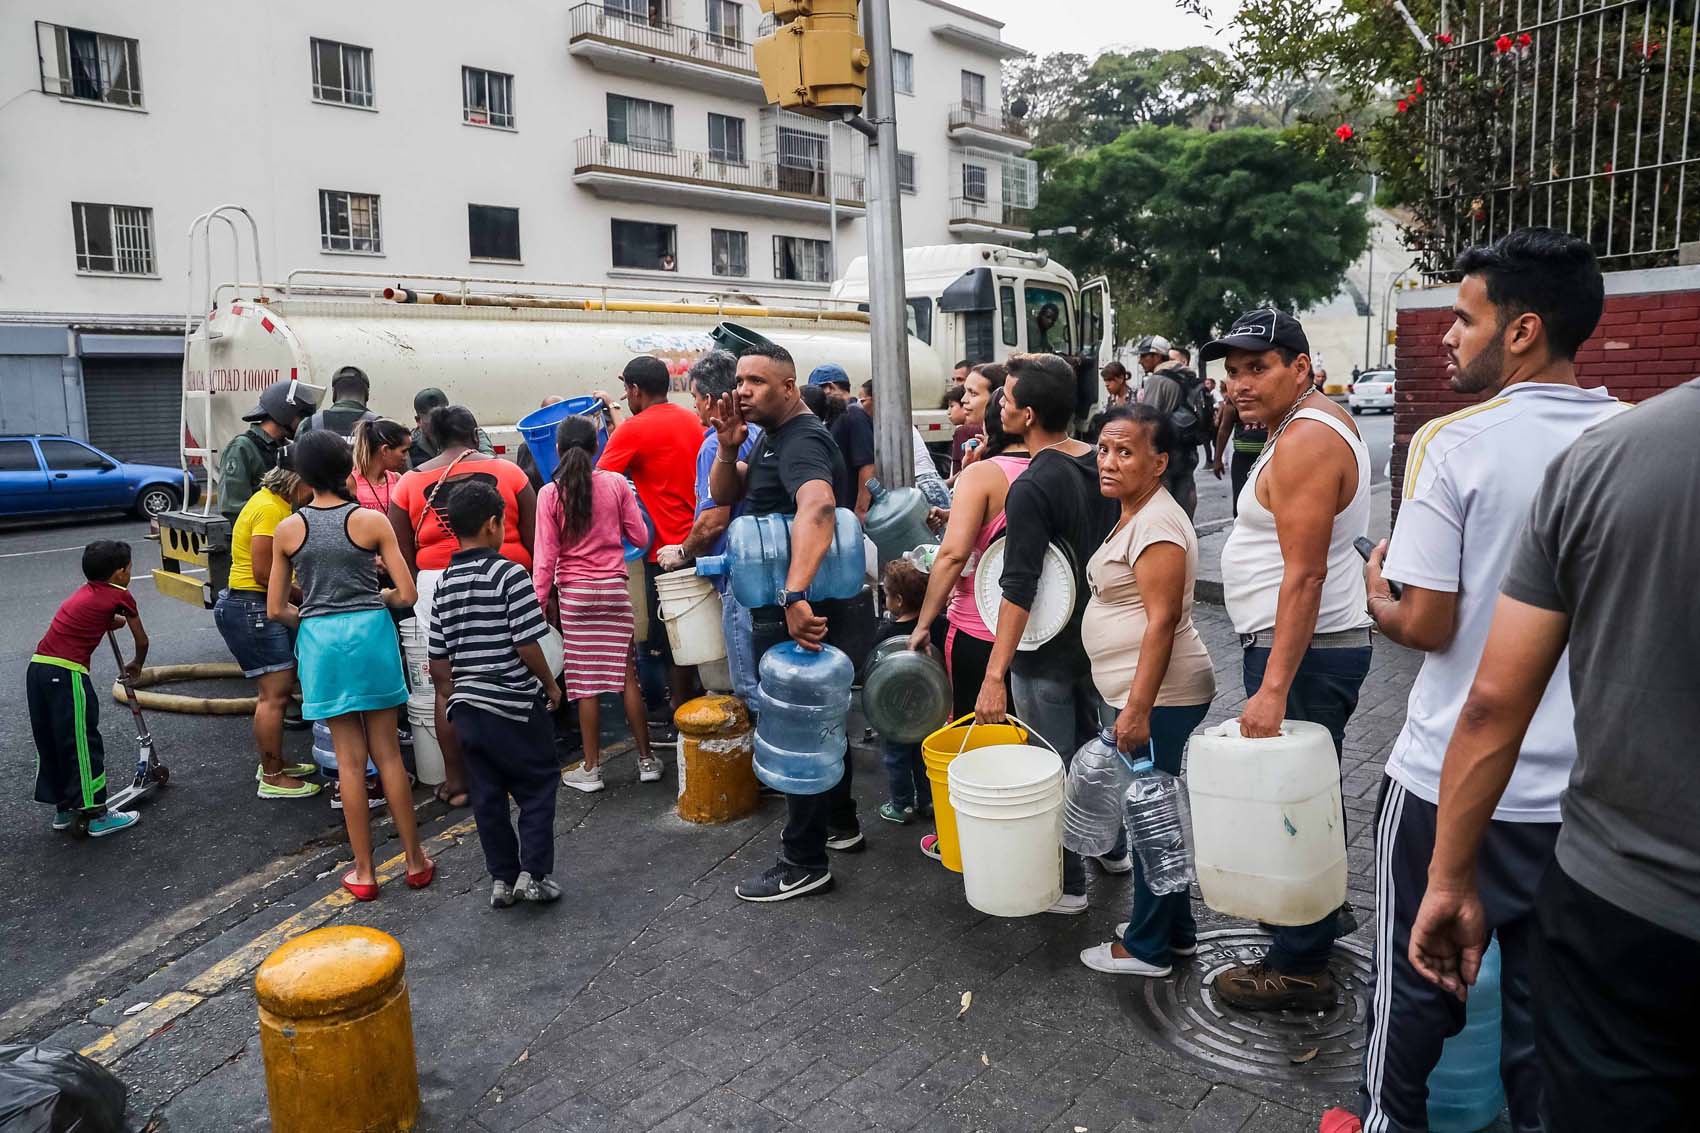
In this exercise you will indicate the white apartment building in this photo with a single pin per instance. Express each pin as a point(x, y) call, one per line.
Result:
point(613, 140)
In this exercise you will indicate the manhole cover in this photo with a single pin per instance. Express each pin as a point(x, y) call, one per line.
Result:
point(1184, 1014)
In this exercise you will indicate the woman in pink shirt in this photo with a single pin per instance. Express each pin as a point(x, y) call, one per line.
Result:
point(582, 515)
point(380, 457)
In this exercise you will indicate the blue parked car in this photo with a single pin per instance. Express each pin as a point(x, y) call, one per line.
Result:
point(40, 474)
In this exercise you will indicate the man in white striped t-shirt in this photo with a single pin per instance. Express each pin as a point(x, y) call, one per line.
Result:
point(488, 665)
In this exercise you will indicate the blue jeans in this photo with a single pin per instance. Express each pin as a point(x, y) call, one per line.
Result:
point(1324, 691)
point(906, 775)
point(1158, 923)
point(740, 648)
point(1066, 712)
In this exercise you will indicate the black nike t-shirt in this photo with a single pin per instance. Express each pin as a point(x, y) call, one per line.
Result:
point(785, 459)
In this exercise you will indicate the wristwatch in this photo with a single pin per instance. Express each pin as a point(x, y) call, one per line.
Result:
point(789, 598)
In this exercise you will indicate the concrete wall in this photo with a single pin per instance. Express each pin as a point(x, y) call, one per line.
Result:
point(1648, 341)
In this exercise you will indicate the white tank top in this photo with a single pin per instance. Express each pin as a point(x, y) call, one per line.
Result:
point(1251, 560)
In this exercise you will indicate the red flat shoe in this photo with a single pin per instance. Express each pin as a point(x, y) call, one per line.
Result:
point(423, 878)
point(361, 892)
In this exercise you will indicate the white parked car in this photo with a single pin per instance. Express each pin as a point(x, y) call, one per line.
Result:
point(1372, 390)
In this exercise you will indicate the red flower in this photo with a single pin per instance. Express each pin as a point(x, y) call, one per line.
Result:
point(1649, 49)
point(1419, 89)
point(1443, 38)
point(1343, 132)
point(1525, 40)
point(1502, 45)
point(1608, 167)
point(1404, 105)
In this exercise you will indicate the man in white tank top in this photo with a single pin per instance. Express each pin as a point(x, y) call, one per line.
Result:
point(1294, 588)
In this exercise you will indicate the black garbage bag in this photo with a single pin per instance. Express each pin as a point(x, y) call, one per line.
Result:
point(57, 1091)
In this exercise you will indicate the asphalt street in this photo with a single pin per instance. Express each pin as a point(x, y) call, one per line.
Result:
point(80, 915)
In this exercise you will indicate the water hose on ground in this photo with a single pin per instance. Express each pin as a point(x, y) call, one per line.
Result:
point(191, 705)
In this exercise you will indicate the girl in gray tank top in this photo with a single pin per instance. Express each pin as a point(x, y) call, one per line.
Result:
point(337, 575)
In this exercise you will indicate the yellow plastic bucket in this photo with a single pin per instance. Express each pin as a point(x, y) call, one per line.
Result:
point(937, 750)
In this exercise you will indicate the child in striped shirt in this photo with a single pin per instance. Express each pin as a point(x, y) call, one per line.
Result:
point(488, 665)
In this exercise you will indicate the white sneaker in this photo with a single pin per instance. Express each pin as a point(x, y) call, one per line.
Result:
point(1123, 864)
point(582, 778)
point(649, 769)
point(1069, 904)
point(539, 889)
point(501, 894)
point(1100, 959)
point(1176, 949)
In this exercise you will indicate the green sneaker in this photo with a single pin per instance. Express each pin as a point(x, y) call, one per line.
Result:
point(293, 770)
point(112, 822)
point(891, 812)
point(62, 819)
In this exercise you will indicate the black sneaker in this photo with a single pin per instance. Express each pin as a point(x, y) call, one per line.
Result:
point(783, 882)
point(848, 843)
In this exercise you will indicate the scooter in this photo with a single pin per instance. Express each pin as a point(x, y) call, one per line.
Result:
point(151, 774)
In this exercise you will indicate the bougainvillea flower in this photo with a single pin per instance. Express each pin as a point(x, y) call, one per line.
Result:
point(1343, 132)
point(1502, 44)
point(1403, 106)
point(1525, 40)
point(1419, 88)
point(1443, 38)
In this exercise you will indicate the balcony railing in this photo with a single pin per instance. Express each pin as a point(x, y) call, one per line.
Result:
point(996, 214)
point(968, 116)
point(660, 37)
point(715, 171)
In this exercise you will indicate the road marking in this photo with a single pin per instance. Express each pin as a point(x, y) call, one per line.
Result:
point(43, 551)
point(128, 1035)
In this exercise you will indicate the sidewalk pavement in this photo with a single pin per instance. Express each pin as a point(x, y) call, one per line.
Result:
point(650, 997)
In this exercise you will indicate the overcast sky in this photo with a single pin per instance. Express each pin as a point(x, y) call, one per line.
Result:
point(1090, 26)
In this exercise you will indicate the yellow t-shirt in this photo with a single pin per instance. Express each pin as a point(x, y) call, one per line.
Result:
point(262, 513)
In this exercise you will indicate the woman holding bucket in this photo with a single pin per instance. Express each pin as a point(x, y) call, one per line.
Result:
point(582, 514)
point(1148, 660)
point(975, 519)
point(419, 513)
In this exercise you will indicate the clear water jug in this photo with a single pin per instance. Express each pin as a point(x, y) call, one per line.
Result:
point(1267, 824)
point(1464, 1089)
point(758, 553)
point(1098, 779)
point(905, 695)
point(1157, 822)
point(802, 703)
point(897, 520)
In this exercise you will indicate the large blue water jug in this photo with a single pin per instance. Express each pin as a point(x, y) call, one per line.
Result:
point(538, 429)
point(758, 553)
point(1464, 1091)
point(801, 704)
point(897, 520)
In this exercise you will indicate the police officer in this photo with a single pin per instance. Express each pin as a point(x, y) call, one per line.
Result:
point(252, 454)
point(351, 389)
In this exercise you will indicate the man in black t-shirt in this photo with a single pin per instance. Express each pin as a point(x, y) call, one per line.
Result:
point(853, 430)
point(790, 471)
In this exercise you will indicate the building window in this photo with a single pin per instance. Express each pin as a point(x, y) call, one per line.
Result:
point(973, 91)
point(487, 98)
point(114, 239)
point(801, 259)
point(725, 22)
point(651, 247)
point(493, 232)
point(906, 171)
point(802, 161)
point(348, 222)
point(903, 72)
point(641, 124)
point(89, 65)
point(726, 138)
point(974, 183)
point(342, 73)
point(731, 251)
point(652, 12)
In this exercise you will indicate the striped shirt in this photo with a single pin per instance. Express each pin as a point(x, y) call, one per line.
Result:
point(485, 609)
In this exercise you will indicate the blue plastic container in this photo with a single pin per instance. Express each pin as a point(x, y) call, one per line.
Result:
point(802, 703)
point(634, 552)
point(538, 429)
point(1464, 1091)
point(758, 554)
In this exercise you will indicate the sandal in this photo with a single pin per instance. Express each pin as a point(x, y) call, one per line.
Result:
point(423, 878)
point(442, 795)
point(361, 892)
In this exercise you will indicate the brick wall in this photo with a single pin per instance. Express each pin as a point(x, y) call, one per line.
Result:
point(1648, 341)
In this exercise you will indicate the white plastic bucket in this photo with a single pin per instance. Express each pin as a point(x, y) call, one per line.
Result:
point(415, 654)
point(427, 754)
point(716, 676)
point(690, 607)
point(1008, 800)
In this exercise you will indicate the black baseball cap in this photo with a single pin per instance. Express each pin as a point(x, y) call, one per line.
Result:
point(1263, 329)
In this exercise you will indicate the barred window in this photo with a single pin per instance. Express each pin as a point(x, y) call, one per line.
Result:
point(116, 239)
point(801, 259)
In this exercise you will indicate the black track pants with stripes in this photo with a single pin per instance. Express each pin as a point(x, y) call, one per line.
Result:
point(1410, 1018)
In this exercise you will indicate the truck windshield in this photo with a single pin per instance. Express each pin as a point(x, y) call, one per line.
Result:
point(919, 318)
point(1048, 321)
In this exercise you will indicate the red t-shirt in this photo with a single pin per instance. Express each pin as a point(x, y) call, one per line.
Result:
point(658, 450)
point(83, 620)
point(434, 543)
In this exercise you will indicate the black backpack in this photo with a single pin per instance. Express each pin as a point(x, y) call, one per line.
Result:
point(1194, 418)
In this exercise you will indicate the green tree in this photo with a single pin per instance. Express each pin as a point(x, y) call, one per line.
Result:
point(1068, 100)
point(1207, 224)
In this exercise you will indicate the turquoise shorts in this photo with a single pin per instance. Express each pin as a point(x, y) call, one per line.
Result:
point(349, 663)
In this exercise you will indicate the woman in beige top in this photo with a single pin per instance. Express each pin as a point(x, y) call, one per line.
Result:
point(1147, 658)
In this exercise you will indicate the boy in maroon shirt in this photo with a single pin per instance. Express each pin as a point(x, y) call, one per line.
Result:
point(64, 710)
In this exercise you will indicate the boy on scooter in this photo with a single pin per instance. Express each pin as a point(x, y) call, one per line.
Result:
point(64, 709)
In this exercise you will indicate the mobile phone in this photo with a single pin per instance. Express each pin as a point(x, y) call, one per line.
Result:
point(1366, 548)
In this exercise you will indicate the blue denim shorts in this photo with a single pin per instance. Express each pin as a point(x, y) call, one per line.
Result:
point(259, 644)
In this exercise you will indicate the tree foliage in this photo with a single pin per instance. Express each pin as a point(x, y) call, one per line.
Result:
point(1207, 223)
point(1068, 99)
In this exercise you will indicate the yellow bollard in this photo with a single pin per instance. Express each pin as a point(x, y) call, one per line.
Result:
point(716, 781)
point(337, 1034)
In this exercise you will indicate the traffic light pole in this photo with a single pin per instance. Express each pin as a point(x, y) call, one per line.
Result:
point(894, 446)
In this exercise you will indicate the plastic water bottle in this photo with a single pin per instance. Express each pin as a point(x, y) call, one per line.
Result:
point(758, 555)
point(897, 519)
point(1157, 822)
point(1464, 1089)
point(802, 703)
point(1098, 779)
